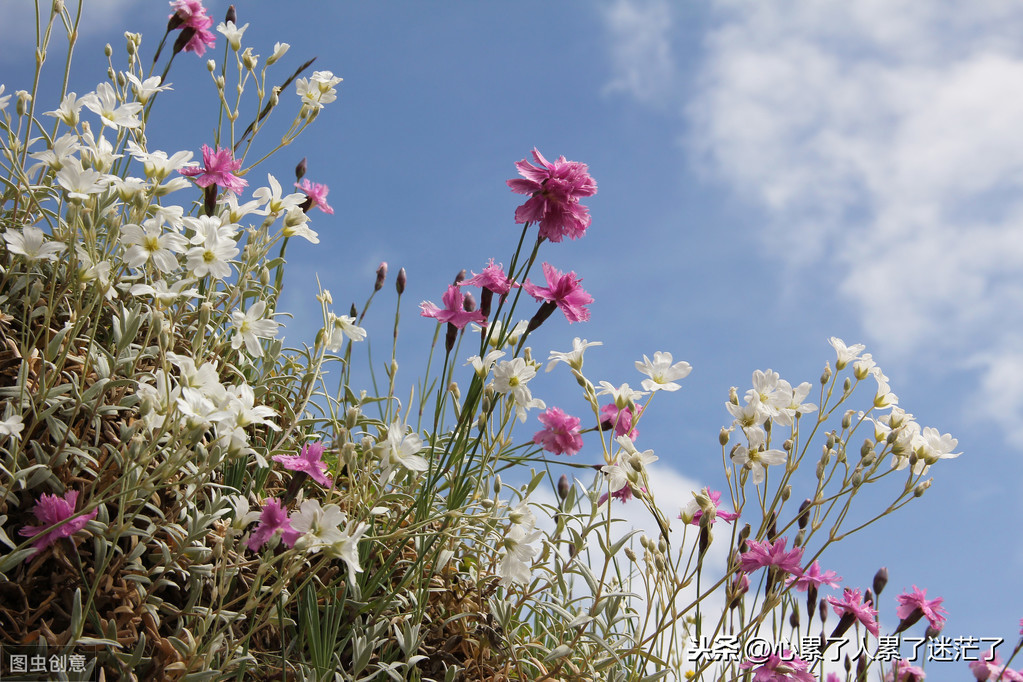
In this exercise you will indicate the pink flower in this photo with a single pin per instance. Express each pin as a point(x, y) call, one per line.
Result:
point(852, 605)
point(561, 435)
point(990, 667)
point(914, 606)
point(273, 518)
point(904, 672)
point(623, 494)
point(492, 278)
point(765, 554)
point(813, 576)
point(309, 462)
point(454, 311)
point(564, 291)
point(620, 419)
point(190, 16)
point(555, 189)
point(715, 497)
point(317, 193)
point(218, 170)
point(781, 668)
point(51, 510)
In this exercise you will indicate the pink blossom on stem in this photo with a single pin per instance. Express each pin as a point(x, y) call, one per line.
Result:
point(310, 462)
point(561, 435)
point(620, 419)
point(623, 494)
point(562, 290)
point(555, 190)
point(852, 605)
point(780, 668)
point(272, 519)
point(493, 278)
point(715, 498)
point(218, 169)
point(190, 16)
point(915, 605)
point(51, 510)
point(813, 576)
point(317, 194)
point(904, 672)
point(764, 554)
point(454, 311)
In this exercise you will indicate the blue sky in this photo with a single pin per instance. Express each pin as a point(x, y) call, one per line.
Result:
point(769, 175)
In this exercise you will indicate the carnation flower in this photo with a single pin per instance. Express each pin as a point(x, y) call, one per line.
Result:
point(309, 462)
point(780, 668)
point(914, 606)
point(813, 577)
point(218, 169)
point(764, 555)
point(317, 195)
point(51, 510)
point(561, 432)
point(453, 312)
point(620, 419)
point(555, 190)
point(272, 519)
point(851, 608)
point(562, 291)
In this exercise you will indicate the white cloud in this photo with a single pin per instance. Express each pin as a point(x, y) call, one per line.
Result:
point(883, 137)
point(642, 64)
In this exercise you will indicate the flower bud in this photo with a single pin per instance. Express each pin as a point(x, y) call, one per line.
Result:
point(723, 436)
point(497, 484)
point(460, 277)
point(381, 276)
point(211, 65)
point(564, 486)
point(231, 16)
point(880, 580)
point(24, 98)
point(401, 281)
point(300, 169)
point(250, 60)
point(826, 376)
point(804, 513)
point(733, 395)
point(630, 554)
point(847, 419)
point(352, 418)
point(922, 488)
point(794, 616)
point(847, 385)
point(107, 50)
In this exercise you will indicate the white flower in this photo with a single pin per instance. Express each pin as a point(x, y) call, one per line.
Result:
point(296, 224)
point(511, 377)
point(98, 152)
point(347, 548)
point(398, 449)
point(80, 182)
point(13, 425)
point(68, 109)
point(157, 165)
point(30, 242)
point(211, 258)
point(662, 373)
point(61, 152)
point(317, 90)
point(232, 33)
point(629, 465)
point(6, 98)
point(341, 327)
point(846, 354)
point(750, 414)
point(574, 357)
point(233, 213)
point(483, 365)
point(274, 201)
point(147, 88)
point(523, 516)
point(754, 458)
point(768, 390)
point(163, 294)
point(150, 242)
point(792, 404)
point(242, 412)
point(279, 50)
point(320, 526)
point(623, 396)
point(931, 445)
point(519, 552)
point(112, 113)
point(251, 326)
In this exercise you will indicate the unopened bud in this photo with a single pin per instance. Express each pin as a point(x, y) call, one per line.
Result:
point(460, 277)
point(300, 169)
point(352, 312)
point(794, 616)
point(922, 488)
point(381, 276)
point(250, 60)
point(630, 554)
point(847, 385)
point(497, 484)
point(211, 65)
point(733, 395)
point(454, 390)
point(468, 302)
point(786, 492)
point(564, 486)
point(880, 580)
point(401, 281)
point(847, 419)
point(723, 436)
point(352, 418)
point(107, 50)
point(804, 513)
point(826, 376)
point(231, 16)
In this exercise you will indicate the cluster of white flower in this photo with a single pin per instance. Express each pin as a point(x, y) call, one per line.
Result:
point(320, 527)
point(516, 565)
point(196, 400)
point(317, 90)
point(771, 398)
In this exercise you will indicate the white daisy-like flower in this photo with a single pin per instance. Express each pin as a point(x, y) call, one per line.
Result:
point(342, 327)
point(251, 326)
point(400, 448)
point(574, 357)
point(104, 103)
point(31, 243)
point(662, 372)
